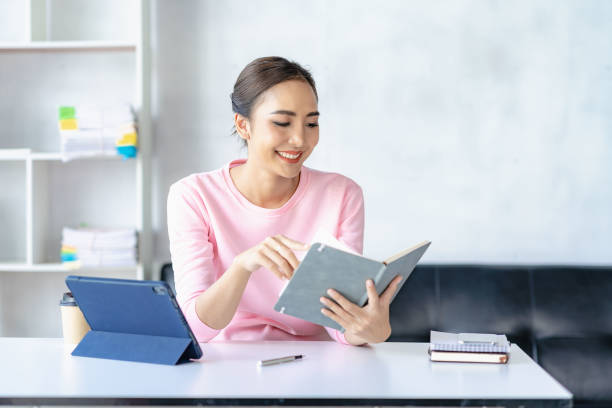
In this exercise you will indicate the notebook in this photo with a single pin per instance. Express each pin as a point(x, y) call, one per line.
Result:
point(469, 347)
point(325, 267)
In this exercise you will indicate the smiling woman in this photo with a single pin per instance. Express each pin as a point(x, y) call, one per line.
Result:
point(234, 232)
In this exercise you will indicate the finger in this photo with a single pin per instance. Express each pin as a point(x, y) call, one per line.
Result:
point(346, 304)
point(372, 294)
point(391, 289)
point(336, 308)
point(280, 262)
point(291, 243)
point(272, 253)
point(285, 251)
point(267, 263)
point(334, 317)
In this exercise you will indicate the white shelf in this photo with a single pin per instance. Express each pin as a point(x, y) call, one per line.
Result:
point(59, 267)
point(58, 156)
point(50, 156)
point(68, 46)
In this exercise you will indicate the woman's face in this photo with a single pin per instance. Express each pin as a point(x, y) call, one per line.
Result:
point(284, 128)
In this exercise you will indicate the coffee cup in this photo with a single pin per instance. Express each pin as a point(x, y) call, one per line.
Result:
point(74, 325)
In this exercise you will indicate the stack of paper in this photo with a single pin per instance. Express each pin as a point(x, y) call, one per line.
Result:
point(88, 131)
point(469, 347)
point(99, 247)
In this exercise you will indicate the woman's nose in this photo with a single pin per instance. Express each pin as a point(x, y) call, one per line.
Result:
point(297, 137)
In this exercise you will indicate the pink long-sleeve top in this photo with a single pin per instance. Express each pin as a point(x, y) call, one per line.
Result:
point(210, 222)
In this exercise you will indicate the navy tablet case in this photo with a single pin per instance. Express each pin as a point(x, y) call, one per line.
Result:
point(132, 320)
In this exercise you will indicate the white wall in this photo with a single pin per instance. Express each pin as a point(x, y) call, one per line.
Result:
point(484, 126)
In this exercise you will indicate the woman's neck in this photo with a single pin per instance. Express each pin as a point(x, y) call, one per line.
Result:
point(263, 188)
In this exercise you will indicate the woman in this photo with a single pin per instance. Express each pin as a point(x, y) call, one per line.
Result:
point(234, 231)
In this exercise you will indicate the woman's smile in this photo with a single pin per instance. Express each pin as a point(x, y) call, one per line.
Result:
point(289, 156)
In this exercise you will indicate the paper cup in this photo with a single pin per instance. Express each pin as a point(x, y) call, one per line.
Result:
point(74, 325)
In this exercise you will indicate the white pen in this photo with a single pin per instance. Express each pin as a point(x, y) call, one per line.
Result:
point(279, 360)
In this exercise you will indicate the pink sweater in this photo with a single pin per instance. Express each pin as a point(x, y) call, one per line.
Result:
point(210, 222)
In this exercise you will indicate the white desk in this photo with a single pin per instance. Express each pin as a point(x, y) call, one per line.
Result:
point(42, 372)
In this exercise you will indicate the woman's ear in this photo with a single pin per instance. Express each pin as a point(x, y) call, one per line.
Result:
point(242, 126)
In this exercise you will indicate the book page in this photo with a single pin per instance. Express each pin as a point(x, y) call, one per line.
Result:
point(407, 251)
point(325, 237)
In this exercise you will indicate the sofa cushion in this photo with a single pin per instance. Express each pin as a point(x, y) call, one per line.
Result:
point(572, 301)
point(582, 365)
point(413, 311)
point(167, 275)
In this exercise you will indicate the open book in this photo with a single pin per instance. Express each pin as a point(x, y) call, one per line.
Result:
point(325, 267)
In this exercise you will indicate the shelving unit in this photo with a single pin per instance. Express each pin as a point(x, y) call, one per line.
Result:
point(59, 267)
point(101, 60)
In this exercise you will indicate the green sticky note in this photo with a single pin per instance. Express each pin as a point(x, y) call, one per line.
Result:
point(67, 112)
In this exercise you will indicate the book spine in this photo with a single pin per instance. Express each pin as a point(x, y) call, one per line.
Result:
point(377, 278)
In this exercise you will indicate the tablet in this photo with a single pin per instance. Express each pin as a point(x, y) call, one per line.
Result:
point(134, 309)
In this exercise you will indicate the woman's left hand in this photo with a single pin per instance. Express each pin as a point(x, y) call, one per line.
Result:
point(368, 324)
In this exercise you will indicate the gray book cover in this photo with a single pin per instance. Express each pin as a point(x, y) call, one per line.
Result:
point(325, 267)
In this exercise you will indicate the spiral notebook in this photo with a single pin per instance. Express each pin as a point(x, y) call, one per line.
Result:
point(469, 347)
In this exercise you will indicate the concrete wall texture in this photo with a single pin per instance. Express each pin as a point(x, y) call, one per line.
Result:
point(484, 126)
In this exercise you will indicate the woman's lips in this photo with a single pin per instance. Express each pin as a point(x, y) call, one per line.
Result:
point(295, 156)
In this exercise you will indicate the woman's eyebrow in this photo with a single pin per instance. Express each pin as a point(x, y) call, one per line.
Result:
point(291, 113)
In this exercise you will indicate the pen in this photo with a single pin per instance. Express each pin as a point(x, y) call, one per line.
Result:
point(279, 360)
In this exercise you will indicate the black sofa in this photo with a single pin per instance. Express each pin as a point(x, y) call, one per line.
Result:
point(560, 316)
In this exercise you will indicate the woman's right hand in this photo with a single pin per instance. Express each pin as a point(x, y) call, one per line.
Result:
point(273, 253)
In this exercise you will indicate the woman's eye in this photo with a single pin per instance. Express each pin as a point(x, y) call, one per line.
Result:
point(312, 125)
point(283, 124)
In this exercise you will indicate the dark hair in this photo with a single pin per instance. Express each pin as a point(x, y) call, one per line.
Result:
point(260, 75)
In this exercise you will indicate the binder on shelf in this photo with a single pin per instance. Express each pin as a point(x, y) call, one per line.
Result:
point(132, 320)
point(469, 347)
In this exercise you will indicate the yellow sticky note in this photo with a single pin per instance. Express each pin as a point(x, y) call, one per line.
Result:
point(127, 139)
point(68, 124)
point(68, 249)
